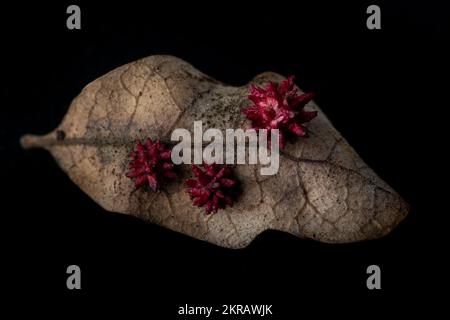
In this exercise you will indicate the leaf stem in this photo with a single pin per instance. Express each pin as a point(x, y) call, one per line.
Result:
point(31, 141)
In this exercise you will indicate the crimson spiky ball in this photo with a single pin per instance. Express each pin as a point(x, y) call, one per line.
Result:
point(151, 164)
point(214, 187)
point(279, 106)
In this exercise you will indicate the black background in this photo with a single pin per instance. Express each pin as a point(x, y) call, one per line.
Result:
point(380, 88)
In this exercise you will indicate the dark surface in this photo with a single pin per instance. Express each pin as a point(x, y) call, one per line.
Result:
point(379, 88)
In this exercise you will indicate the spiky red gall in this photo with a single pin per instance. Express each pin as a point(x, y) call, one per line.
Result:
point(279, 106)
point(215, 187)
point(151, 165)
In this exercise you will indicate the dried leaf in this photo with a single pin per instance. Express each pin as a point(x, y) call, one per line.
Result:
point(323, 190)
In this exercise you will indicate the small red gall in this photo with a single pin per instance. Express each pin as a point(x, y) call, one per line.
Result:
point(151, 165)
point(279, 106)
point(214, 188)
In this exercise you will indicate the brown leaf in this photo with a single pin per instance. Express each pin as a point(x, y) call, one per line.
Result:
point(323, 190)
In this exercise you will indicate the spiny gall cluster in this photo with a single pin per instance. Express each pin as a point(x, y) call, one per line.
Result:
point(151, 164)
point(214, 187)
point(279, 106)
